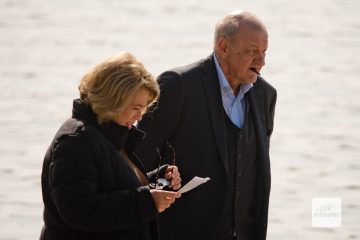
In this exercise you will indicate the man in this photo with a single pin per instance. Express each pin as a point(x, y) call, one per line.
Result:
point(218, 116)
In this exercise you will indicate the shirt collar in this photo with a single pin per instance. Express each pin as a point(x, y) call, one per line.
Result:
point(224, 83)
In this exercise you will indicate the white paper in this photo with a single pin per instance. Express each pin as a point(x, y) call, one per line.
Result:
point(193, 183)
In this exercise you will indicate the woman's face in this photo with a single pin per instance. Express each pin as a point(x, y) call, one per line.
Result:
point(135, 110)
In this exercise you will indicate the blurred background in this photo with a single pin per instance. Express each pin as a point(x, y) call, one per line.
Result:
point(313, 61)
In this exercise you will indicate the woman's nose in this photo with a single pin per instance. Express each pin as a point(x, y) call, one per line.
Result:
point(139, 116)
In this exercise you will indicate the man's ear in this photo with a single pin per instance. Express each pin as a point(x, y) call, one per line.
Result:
point(223, 45)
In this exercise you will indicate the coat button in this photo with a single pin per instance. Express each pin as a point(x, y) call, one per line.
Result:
point(239, 155)
point(239, 174)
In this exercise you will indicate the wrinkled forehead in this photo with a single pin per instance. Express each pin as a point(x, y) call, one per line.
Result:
point(252, 28)
point(248, 34)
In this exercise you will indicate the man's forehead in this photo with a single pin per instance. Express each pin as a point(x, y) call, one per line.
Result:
point(253, 39)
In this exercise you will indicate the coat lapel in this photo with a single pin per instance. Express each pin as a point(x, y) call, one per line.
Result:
point(213, 95)
point(257, 104)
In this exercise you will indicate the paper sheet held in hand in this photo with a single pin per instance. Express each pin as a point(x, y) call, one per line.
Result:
point(193, 183)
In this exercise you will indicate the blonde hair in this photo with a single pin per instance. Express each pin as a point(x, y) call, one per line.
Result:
point(110, 86)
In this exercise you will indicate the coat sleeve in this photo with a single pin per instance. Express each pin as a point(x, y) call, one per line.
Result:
point(162, 121)
point(160, 172)
point(74, 191)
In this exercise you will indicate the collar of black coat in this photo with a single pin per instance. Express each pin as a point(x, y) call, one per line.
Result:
point(120, 136)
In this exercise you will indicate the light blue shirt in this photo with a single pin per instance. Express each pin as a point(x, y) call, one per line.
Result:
point(235, 106)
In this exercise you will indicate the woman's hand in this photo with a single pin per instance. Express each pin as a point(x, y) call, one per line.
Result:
point(163, 199)
point(172, 174)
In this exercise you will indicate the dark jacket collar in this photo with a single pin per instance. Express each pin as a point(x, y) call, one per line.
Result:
point(120, 136)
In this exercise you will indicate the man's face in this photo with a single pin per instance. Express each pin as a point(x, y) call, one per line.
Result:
point(244, 55)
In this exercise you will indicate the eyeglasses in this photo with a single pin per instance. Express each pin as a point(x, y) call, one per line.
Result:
point(163, 182)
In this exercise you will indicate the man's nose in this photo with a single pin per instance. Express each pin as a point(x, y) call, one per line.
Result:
point(260, 59)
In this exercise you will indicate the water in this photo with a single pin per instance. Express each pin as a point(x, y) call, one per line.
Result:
point(313, 61)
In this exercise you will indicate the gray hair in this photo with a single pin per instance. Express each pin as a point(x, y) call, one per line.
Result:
point(230, 25)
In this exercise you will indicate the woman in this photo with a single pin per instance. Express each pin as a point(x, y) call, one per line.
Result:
point(93, 184)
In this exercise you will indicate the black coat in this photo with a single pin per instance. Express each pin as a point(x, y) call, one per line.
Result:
point(89, 191)
point(190, 116)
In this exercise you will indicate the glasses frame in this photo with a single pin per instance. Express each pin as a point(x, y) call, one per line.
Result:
point(160, 183)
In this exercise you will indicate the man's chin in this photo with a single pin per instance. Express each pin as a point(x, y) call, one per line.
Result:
point(251, 79)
